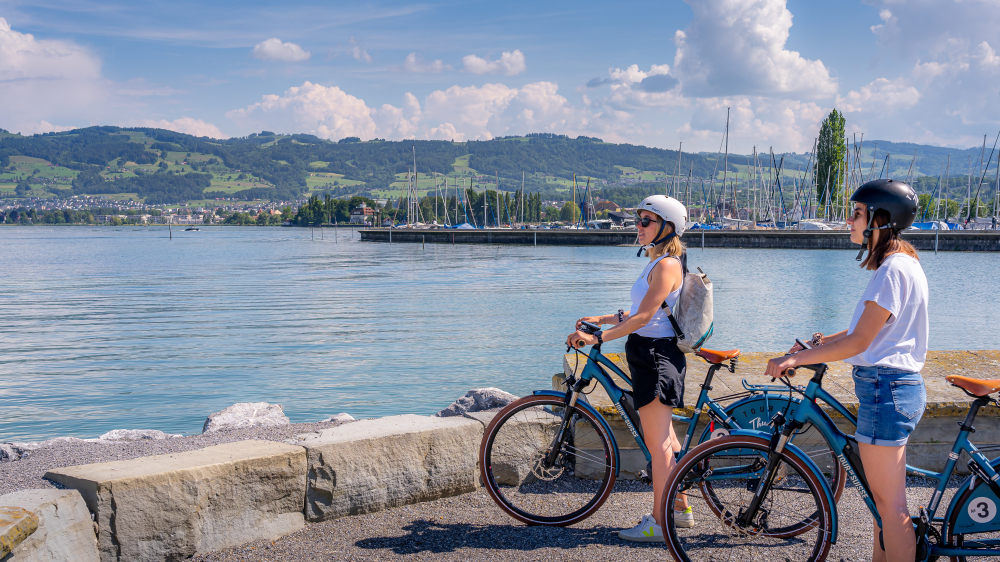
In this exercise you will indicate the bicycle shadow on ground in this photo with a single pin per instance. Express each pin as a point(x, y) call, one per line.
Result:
point(431, 536)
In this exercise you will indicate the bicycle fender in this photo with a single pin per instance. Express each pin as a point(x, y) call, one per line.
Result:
point(583, 405)
point(812, 466)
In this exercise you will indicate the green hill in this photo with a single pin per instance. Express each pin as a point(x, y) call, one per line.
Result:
point(159, 166)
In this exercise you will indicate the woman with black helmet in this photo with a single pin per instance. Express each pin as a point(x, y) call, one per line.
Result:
point(656, 364)
point(887, 345)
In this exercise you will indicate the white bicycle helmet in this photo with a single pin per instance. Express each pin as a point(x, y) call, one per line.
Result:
point(668, 209)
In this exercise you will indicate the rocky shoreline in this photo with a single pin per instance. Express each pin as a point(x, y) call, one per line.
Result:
point(23, 464)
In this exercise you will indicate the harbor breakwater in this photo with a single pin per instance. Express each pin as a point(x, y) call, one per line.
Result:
point(924, 240)
point(173, 506)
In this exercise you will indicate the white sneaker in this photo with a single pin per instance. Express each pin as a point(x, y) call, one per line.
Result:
point(646, 531)
point(684, 519)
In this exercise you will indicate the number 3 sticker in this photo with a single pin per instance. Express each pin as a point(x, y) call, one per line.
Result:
point(982, 510)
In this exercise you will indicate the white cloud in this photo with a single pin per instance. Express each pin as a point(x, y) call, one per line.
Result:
point(986, 56)
point(274, 50)
point(310, 108)
point(416, 63)
point(764, 122)
point(358, 52)
point(955, 68)
point(509, 64)
point(186, 125)
point(738, 47)
point(44, 81)
point(459, 113)
point(881, 95)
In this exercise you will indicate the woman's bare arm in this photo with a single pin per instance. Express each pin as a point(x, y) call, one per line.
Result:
point(845, 346)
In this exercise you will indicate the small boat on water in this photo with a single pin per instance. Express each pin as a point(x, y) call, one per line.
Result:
point(190, 228)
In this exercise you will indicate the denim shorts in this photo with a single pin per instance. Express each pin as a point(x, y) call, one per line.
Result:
point(891, 402)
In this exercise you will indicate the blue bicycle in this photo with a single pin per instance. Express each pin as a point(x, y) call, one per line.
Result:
point(760, 487)
point(552, 459)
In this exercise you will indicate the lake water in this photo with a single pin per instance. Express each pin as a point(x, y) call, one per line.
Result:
point(109, 328)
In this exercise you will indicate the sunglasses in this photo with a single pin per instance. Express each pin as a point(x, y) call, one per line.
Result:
point(644, 221)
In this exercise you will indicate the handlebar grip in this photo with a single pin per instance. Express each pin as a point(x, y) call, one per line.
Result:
point(581, 342)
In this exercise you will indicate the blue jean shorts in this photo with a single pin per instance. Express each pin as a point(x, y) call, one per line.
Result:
point(891, 402)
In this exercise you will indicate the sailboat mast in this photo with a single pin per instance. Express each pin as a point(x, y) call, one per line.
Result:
point(725, 169)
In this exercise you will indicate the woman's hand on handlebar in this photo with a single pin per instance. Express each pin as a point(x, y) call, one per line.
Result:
point(591, 319)
point(816, 341)
point(579, 339)
point(779, 366)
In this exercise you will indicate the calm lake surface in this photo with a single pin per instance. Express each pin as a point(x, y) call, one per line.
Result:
point(108, 328)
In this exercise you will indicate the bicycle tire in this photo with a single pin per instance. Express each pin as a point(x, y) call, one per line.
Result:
point(962, 506)
point(578, 483)
point(717, 537)
point(808, 439)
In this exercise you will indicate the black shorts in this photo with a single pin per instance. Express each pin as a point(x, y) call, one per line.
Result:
point(658, 367)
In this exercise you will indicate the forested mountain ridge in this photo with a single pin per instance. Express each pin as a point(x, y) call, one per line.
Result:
point(160, 166)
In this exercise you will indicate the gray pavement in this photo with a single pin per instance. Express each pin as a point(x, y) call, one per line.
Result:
point(471, 527)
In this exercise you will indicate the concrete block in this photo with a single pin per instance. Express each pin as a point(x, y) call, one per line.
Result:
point(16, 525)
point(170, 507)
point(371, 465)
point(65, 530)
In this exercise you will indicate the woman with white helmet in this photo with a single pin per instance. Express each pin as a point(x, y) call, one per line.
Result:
point(656, 364)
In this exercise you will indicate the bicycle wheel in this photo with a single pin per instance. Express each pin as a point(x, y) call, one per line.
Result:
point(975, 521)
point(793, 522)
point(756, 412)
point(512, 455)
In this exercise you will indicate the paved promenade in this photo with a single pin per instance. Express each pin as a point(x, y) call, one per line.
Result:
point(471, 527)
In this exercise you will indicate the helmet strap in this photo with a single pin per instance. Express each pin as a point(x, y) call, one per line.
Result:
point(868, 233)
point(657, 240)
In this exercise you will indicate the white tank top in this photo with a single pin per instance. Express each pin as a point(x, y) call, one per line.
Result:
point(659, 325)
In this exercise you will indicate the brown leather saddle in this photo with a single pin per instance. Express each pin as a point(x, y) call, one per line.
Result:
point(977, 387)
point(716, 357)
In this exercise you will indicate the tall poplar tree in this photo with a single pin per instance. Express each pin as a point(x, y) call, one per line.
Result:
point(830, 154)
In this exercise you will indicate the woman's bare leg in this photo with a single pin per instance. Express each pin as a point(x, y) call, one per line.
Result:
point(658, 432)
point(887, 479)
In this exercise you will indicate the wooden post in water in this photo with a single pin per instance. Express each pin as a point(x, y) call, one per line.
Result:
point(423, 242)
point(536, 239)
point(703, 239)
point(312, 232)
point(390, 235)
point(936, 232)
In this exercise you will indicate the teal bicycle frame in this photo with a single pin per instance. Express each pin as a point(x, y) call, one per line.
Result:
point(845, 447)
point(622, 400)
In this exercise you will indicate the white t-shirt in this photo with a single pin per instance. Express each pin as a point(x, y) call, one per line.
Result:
point(900, 287)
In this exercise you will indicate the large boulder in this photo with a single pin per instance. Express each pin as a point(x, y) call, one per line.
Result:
point(376, 464)
point(246, 414)
point(478, 400)
point(178, 505)
point(65, 530)
point(16, 525)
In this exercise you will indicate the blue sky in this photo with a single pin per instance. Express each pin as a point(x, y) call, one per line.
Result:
point(654, 73)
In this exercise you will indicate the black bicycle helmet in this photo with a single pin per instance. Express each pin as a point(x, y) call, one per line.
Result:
point(895, 198)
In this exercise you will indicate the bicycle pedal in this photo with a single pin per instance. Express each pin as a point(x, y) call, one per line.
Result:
point(645, 478)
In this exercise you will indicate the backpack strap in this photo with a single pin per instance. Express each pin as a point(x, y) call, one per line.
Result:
point(666, 309)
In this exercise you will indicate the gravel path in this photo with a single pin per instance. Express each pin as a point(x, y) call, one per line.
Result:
point(27, 473)
point(471, 527)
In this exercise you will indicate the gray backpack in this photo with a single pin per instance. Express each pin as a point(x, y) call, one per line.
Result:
point(692, 317)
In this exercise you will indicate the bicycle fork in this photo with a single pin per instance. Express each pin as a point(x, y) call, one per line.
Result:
point(576, 386)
